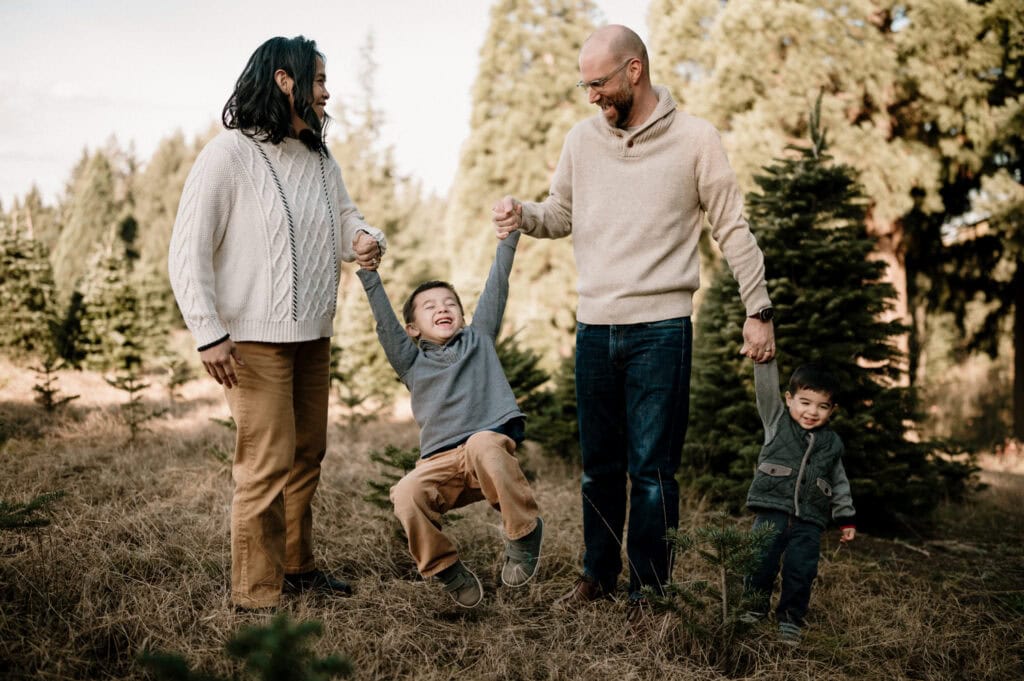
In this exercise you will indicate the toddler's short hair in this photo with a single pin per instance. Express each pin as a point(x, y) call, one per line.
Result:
point(814, 377)
point(409, 309)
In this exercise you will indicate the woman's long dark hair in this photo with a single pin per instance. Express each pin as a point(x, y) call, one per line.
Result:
point(259, 109)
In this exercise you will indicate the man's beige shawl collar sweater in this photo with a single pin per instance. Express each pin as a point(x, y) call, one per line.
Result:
point(259, 239)
point(634, 203)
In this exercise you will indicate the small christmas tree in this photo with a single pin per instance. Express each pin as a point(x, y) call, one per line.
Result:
point(280, 651)
point(830, 304)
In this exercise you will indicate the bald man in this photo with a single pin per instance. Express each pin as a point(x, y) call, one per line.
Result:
point(633, 186)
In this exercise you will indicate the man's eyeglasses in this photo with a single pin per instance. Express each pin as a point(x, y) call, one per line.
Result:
point(599, 83)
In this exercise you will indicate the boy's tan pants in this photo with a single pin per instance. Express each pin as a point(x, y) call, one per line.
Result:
point(485, 467)
point(280, 409)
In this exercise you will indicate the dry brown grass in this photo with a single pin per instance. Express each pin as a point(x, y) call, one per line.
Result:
point(137, 558)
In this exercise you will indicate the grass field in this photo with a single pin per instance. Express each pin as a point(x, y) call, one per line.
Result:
point(136, 558)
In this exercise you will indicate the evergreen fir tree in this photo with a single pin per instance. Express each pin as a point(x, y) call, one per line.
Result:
point(94, 207)
point(829, 299)
point(20, 516)
point(731, 553)
point(112, 324)
point(553, 424)
point(47, 393)
point(280, 651)
point(27, 295)
point(396, 462)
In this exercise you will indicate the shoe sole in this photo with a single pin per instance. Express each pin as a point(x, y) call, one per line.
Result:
point(536, 567)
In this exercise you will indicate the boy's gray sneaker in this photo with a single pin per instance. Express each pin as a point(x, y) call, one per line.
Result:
point(463, 586)
point(522, 557)
point(789, 634)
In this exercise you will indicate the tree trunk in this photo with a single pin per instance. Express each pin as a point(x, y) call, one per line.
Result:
point(889, 249)
point(1018, 352)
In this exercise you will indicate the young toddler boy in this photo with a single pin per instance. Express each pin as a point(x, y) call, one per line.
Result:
point(470, 425)
point(799, 478)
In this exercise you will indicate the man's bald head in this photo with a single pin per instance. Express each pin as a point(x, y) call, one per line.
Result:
point(619, 43)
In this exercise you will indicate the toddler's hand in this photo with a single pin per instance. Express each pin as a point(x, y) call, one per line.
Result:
point(847, 534)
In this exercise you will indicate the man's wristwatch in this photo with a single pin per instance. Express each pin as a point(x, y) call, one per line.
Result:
point(765, 314)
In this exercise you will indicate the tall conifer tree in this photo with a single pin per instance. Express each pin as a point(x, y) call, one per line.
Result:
point(27, 294)
point(94, 207)
point(829, 297)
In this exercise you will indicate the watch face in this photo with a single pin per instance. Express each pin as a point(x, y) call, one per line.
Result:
point(766, 314)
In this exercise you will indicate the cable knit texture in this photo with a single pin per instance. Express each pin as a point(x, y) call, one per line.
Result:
point(259, 239)
point(635, 202)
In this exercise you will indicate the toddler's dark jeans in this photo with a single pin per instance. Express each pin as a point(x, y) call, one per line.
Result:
point(796, 544)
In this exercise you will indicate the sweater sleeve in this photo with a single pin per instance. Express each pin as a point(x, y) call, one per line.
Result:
point(843, 511)
point(552, 218)
point(490, 309)
point(722, 201)
point(399, 348)
point(352, 221)
point(203, 214)
point(769, 401)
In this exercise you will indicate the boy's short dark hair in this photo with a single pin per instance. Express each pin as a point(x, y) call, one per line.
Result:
point(814, 377)
point(409, 309)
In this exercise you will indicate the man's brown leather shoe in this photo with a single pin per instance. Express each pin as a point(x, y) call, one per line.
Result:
point(585, 590)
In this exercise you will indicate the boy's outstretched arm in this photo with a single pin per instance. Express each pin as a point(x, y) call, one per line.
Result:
point(769, 399)
point(399, 348)
point(490, 309)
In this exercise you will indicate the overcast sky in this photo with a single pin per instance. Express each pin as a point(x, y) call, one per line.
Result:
point(78, 71)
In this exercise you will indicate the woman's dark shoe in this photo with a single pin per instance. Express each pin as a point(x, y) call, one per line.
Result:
point(315, 580)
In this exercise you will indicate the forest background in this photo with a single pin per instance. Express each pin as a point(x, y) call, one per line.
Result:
point(921, 102)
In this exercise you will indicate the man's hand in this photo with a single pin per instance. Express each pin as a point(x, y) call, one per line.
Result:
point(758, 340)
point(367, 250)
point(219, 362)
point(847, 534)
point(507, 216)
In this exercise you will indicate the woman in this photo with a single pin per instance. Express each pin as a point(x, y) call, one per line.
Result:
point(263, 225)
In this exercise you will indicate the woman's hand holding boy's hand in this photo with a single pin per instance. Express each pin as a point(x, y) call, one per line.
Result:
point(367, 251)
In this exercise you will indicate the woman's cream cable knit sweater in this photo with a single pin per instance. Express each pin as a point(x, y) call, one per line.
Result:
point(257, 245)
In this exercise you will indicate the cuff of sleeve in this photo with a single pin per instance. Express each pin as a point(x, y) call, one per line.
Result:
point(846, 521)
point(382, 242)
point(220, 340)
point(529, 217)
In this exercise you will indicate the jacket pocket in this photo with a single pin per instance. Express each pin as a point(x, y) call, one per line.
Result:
point(776, 470)
point(825, 488)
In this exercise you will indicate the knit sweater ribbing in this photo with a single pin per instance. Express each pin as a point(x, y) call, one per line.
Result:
point(258, 242)
point(634, 202)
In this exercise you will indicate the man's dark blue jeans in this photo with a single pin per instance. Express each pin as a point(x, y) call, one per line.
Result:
point(797, 544)
point(633, 394)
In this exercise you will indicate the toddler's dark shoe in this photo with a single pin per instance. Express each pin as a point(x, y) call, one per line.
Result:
point(462, 585)
point(789, 634)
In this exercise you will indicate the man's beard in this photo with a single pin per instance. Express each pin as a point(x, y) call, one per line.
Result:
point(622, 101)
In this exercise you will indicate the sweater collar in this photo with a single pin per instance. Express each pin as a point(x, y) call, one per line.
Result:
point(666, 107)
